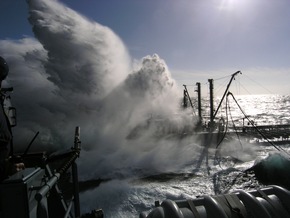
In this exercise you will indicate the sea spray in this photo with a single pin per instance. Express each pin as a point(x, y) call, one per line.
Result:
point(135, 106)
point(59, 79)
point(84, 57)
point(127, 125)
point(78, 73)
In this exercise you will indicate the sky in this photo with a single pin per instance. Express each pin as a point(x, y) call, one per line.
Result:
point(197, 39)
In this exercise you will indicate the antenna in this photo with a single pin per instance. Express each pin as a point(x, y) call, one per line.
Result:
point(28, 147)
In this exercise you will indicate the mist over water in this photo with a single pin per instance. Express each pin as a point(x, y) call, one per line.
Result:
point(77, 72)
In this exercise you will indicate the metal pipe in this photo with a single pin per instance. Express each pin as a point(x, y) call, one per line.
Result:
point(211, 100)
point(77, 147)
point(47, 187)
point(76, 189)
point(67, 214)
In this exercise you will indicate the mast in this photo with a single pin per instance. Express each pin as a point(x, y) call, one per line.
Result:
point(199, 100)
point(211, 100)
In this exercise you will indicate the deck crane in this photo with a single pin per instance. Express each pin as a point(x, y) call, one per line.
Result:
point(213, 114)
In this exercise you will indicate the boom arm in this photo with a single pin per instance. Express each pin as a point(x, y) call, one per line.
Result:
point(226, 91)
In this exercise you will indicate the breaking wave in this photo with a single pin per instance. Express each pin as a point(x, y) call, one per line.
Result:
point(77, 72)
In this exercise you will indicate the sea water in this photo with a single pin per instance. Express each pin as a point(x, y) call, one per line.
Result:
point(128, 197)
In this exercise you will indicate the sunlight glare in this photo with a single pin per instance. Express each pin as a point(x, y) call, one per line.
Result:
point(229, 5)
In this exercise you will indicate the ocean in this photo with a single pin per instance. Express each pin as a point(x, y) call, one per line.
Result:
point(128, 196)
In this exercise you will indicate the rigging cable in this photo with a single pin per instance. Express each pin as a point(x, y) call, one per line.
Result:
point(220, 86)
point(217, 157)
point(261, 133)
point(236, 131)
point(226, 126)
point(228, 76)
point(259, 84)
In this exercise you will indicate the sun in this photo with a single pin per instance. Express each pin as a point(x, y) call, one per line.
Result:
point(229, 4)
